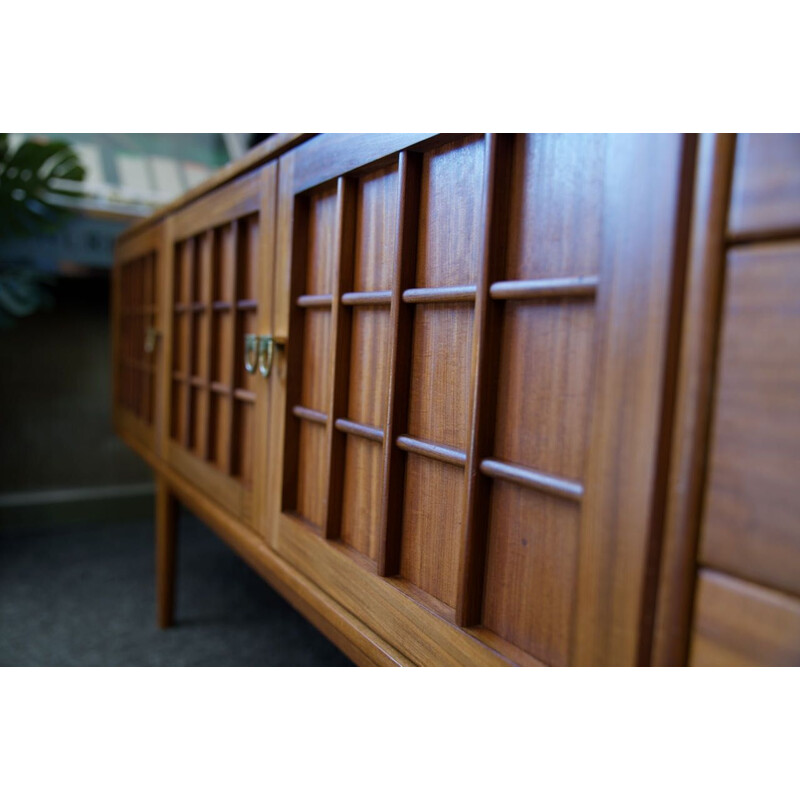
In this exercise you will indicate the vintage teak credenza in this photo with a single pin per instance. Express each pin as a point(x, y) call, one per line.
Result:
point(484, 399)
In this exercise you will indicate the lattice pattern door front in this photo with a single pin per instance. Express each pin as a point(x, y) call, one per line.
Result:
point(136, 296)
point(216, 303)
point(443, 345)
point(137, 362)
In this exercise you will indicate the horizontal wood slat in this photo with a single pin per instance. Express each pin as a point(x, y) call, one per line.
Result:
point(367, 298)
point(315, 300)
point(310, 415)
point(449, 455)
point(357, 429)
point(549, 287)
point(531, 479)
point(442, 294)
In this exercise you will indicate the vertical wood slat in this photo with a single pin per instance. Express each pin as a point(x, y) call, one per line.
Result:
point(402, 318)
point(294, 349)
point(149, 322)
point(232, 258)
point(339, 361)
point(485, 364)
point(635, 334)
point(696, 371)
point(265, 452)
point(206, 292)
point(188, 257)
point(240, 235)
point(166, 323)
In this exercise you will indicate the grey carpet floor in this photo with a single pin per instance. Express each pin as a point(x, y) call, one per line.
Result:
point(83, 595)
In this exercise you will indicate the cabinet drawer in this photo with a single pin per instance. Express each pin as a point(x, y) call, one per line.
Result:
point(753, 504)
point(739, 624)
point(766, 184)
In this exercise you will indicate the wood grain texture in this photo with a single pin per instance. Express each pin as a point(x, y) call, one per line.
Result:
point(430, 541)
point(376, 233)
point(558, 201)
point(440, 374)
point(765, 199)
point(740, 624)
point(361, 503)
point(450, 214)
point(530, 570)
point(316, 377)
point(750, 523)
point(312, 473)
point(369, 366)
point(322, 256)
point(544, 385)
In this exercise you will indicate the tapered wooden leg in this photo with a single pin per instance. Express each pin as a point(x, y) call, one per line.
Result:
point(166, 538)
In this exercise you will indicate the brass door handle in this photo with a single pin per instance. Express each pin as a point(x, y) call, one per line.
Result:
point(250, 356)
point(266, 352)
point(151, 334)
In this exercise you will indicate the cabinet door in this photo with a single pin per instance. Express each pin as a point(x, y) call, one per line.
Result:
point(470, 397)
point(137, 343)
point(220, 264)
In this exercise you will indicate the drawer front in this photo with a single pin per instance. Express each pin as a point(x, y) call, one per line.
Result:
point(750, 525)
point(465, 317)
point(765, 197)
point(220, 274)
point(137, 295)
point(739, 624)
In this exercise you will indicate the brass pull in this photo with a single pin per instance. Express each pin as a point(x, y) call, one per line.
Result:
point(250, 355)
point(266, 352)
point(150, 336)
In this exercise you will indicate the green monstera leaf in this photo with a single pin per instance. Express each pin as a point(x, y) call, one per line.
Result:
point(32, 178)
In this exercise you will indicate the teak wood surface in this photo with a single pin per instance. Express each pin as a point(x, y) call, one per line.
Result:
point(514, 378)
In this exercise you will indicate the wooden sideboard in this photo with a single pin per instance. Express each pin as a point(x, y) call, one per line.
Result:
point(484, 399)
